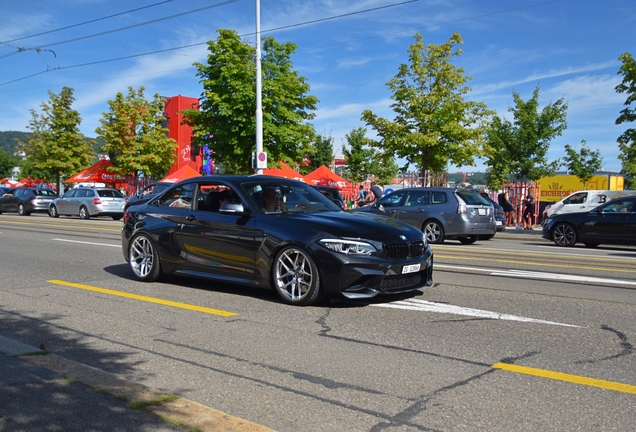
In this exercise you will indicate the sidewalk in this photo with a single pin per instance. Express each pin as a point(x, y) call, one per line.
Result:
point(511, 234)
point(42, 391)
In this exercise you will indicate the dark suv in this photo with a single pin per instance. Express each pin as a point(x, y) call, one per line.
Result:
point(332, 193)
point(147, 193)
point(441, 213)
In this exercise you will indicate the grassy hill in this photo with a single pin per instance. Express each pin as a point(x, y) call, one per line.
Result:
point(8, 140)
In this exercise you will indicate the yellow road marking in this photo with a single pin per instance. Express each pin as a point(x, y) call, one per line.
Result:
point(144, 298)
point(539, 264)
point(576, 379)
point(58, 225)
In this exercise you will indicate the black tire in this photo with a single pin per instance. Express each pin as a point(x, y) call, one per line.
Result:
point(53, 211)
point(467, 240)
point(295, 277)
point(486, 237)
point(591, 245)
point(83, 213)
point(143, 259)
point(564, 234)
point(434, 232)
point(22, 211)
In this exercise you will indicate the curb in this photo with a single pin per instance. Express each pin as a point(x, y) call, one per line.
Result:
point(174, 410)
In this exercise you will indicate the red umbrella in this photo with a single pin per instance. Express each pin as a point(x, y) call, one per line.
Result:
point(97, 173)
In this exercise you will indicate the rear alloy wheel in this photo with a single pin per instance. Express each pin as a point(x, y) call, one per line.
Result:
point(564, 235)
point(467, 240)
point(53, 212)
point(22, 211)
point(296, 277)
point(84, 213)
point(434, 232)
point(144, 259)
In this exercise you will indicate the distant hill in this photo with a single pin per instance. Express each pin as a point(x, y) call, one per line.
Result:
point(7, 140)
point(8, 144)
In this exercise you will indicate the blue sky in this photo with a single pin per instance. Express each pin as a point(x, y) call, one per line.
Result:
point(569, 48)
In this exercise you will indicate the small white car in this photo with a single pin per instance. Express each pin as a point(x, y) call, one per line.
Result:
point(89, 202)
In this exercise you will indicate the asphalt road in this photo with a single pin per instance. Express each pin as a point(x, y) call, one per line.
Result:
point(514, 335)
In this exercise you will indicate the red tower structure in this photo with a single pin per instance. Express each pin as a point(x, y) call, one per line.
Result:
point(187, 154)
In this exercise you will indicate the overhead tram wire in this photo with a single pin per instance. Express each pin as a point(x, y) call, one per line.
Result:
point(87, 22)
point(199, 43)
point(287, 27)
point(40, 47)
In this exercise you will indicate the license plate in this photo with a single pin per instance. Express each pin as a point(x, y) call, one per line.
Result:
point(410, 268)
point(498, 223)
point(481, 212)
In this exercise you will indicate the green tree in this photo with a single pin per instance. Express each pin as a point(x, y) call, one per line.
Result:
point(321, 153)
point(498, 172)
point(520, 147)
point(134, 134)
point(226, 120)
point(358, 156)
point(56, 148)
point(627, 140)
point(582, 164)
point(434, 124)
point(7, 163)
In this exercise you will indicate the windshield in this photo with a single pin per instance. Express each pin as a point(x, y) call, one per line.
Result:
point(278, 196)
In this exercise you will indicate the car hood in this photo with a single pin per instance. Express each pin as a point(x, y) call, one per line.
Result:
point(365, 225)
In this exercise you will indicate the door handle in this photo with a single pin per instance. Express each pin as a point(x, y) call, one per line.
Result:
point(190, 218)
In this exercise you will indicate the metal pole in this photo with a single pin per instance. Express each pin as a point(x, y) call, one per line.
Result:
point(259, 102)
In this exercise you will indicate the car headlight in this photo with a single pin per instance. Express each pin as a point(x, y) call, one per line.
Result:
point(348, 247)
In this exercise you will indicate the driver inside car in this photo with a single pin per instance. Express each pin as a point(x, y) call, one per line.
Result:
point(272, 202)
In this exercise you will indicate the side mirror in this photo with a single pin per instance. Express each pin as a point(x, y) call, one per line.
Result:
point(232, 208)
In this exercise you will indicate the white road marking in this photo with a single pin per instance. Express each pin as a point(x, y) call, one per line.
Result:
point(426, 306)
point(89, 243)
point(540, 275)
point(589, 254)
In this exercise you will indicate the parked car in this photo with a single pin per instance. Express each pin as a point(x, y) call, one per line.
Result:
point(500, 216)
point(276, 233)
point(5, 190)
point(332, 193)
point(25, 200)
point(441, 213)
point(87, 202)
point(583, 201)
point(147, 193)
point(611, 223)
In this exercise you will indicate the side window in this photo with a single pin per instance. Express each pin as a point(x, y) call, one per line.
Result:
point(578, 198)
point(179, 197)
point(417, 198)
point(438, 198)
point(71, 193)
point(81, 193)
point(19, 192)
point(392, 200)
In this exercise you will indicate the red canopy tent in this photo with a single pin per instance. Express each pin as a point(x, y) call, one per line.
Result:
point(325, 177)
point(97, 173)
point(181, 174)
point(284, 171)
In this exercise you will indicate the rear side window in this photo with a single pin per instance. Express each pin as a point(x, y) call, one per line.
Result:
point(417, 198)
point(471, 198)
point(438, 198)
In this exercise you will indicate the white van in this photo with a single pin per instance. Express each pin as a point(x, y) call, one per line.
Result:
point(583, 201)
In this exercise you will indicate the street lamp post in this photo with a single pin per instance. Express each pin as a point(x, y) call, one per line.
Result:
point(259, 102)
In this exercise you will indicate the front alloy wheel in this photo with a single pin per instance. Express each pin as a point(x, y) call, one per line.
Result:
point(296, 277)
point(53, 211)
point(144, 259)
point(21, 210)
point(434, 232)
point(564, 234)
